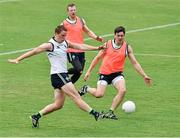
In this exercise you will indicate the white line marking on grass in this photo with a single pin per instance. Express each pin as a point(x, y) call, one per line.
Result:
point(107, 35)
point(144, 29)
point(5, 1)
point(14, 52)
point(158, 55)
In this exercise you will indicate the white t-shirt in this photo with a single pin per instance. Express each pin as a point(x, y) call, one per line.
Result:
point(58, 56)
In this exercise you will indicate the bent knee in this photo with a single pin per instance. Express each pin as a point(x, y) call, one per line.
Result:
point(122, 92)
point(58, 106)
point(99, 95)
point(78, 70)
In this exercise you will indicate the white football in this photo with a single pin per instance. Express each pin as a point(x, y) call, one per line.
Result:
point(128, 107)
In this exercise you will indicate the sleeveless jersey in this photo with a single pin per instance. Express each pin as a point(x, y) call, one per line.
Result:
point(114, 58)
point(58, 56)
point(74, 32)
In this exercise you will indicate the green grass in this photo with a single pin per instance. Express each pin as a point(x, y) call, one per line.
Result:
point(26, 88)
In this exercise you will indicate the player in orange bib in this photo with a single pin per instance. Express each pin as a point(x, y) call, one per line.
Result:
point(111, 70)
point(76, 27)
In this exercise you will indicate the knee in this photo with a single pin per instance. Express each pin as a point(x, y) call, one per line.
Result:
point(122, 92)
point(58, 106)
point(78, 72)
point(99, 95)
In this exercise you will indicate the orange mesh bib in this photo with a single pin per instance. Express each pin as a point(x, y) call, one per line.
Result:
point(74, 33)
point(114, 59)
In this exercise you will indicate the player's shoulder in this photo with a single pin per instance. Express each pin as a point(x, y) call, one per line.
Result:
point(82, 20)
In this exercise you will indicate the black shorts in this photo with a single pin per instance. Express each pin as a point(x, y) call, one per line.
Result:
point(77, 60)
point(110, 77)
point(76, 56)
point(59, 80)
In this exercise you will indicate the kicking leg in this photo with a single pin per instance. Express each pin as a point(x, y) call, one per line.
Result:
point(70, 90)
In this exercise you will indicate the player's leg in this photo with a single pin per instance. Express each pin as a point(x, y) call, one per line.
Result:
point(71, 57)
point(120, 85)
point(77, 64)
point(77, 70)
point(97, 92)
point(70, 90)
point(58, 104)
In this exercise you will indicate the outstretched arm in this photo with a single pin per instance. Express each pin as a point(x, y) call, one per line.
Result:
point(35, 51)
point(138, 67)
point(85, 46)
point(93, 64)
point(91, 34)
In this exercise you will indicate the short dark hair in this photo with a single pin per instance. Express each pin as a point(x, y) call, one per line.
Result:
point(59, 29)
point(119, 29)
point(70, 5)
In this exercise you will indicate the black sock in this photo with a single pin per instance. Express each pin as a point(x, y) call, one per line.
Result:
point(93, 112)
point(38, 115)
point(79, 93)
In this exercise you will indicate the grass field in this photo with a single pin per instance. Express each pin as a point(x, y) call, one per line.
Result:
point(25, 88)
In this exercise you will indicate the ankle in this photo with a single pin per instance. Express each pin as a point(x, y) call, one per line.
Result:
point(93, 112)
point(87, 88)
point(38, 115)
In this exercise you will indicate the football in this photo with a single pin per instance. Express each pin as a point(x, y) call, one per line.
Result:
point(128, 107)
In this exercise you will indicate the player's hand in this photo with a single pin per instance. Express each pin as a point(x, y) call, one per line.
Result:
point(86, 76)
point(148, 80)
point(102, 47)
point(100, 39)
point(14, 61)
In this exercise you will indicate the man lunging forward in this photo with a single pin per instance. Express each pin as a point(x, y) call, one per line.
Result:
point(56, 50)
